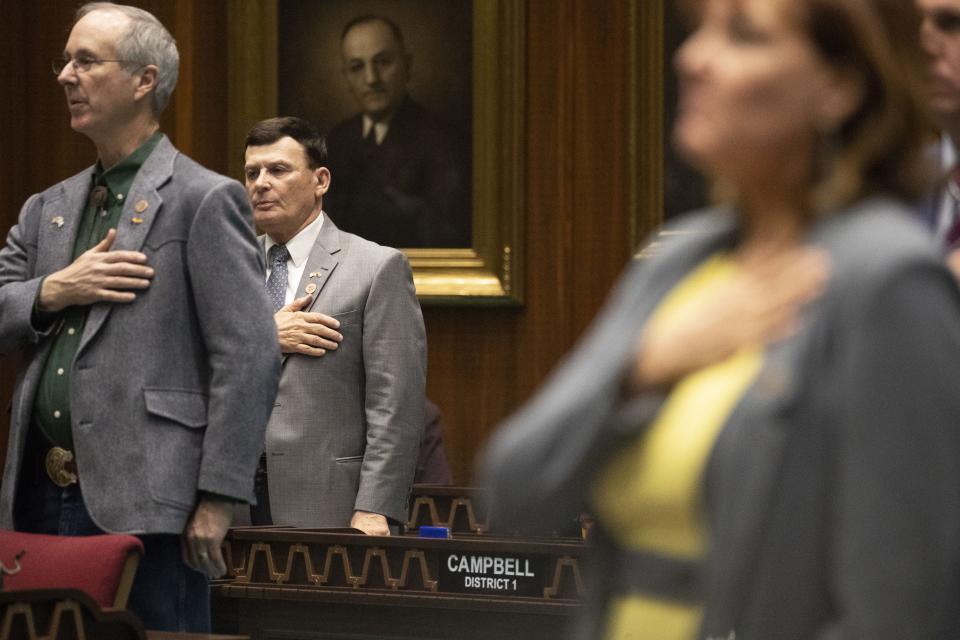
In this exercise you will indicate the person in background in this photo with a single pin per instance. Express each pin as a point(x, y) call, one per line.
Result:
point(940, 37)
point(763, 419)
point(147, 382)
point(432, 465)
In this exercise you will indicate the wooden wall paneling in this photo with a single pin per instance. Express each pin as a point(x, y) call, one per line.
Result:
point(53, 151)
point(200, 101)
point(552, 223)
point(482, 362)
point(12, 132)
point(252, 69)
point(470, 371)
point(646, 135)
point(13, 169)
point(601, 149)
point(485, 363)
point(186, 121)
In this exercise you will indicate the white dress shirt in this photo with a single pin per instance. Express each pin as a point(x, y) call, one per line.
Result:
point(947, 211)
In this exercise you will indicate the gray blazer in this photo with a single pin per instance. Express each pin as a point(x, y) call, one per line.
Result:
point(833, 492)
point(345, 431)
point(170, 394)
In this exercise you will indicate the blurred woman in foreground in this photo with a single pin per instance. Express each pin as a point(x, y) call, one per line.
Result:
point(764, 420)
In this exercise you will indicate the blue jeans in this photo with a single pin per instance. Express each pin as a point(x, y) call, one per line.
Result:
point(167, 595)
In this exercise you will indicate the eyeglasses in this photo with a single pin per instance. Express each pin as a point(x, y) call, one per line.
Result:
point(82, 64)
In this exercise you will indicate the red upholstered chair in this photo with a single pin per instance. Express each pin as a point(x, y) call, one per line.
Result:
point(101, 566)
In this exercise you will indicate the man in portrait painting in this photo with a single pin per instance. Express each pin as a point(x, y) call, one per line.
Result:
point(400, 169)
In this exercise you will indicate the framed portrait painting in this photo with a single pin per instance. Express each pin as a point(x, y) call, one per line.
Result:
point(421, 103)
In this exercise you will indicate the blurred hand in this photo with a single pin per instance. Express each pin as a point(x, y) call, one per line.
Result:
point(759, 305)
point(298, 331)
point(372, 524)
point(953, 261)
point(98, 275)
point(203, 536)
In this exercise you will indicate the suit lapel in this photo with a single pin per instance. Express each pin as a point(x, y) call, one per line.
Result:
point(140, 209)
point(62, 215)
point(143, 203)
point(323, 259)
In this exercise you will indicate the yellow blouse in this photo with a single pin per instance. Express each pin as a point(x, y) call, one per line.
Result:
point(649, 496)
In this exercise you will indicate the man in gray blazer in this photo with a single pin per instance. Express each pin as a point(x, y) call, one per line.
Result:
point(342, 442)
point(147, 381)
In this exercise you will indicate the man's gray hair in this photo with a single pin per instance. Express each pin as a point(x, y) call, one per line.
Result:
point(146, 41)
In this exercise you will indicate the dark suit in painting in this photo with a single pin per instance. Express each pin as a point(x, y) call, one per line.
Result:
point(411, 190)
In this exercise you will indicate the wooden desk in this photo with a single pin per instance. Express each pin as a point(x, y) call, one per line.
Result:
point(313, 585)
point(168, 635)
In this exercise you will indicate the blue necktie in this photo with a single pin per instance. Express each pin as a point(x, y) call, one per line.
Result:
point(277, 282)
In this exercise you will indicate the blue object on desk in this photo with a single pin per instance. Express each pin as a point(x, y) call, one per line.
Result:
point(434, 532)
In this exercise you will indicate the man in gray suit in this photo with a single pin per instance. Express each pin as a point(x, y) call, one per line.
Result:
point(147, 381)
point(342, 442)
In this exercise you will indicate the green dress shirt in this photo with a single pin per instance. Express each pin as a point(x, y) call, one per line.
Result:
point(51, 409)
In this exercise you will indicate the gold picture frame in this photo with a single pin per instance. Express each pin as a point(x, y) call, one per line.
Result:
point(490, 272)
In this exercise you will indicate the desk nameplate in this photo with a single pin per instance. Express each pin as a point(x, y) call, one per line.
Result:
point(492, 574)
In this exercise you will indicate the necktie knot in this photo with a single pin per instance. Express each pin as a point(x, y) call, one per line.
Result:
point(278, 253)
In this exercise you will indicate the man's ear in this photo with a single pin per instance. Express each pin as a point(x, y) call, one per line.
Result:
point(146, 81)
point(322, 176)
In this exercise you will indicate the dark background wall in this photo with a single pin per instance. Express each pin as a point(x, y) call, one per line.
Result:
point(580, 191)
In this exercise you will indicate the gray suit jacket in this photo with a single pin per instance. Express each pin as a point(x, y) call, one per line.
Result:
point(833, 492)
point(171, 393)
point(345, 431)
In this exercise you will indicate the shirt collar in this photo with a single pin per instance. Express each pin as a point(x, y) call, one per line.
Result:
point(301, 244)
point(380, 129)
point(119, 177)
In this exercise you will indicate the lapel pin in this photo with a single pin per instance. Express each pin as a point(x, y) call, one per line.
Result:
point(136, 220)
point(314, 274)
point(57, 220)
point(311, 287)
point(141, 206)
